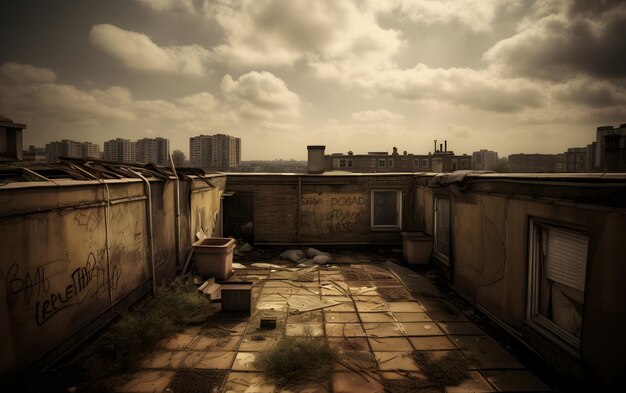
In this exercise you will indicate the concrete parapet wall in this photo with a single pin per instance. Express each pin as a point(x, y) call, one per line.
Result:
point(310, 209)
point(72, 252)
point(490, 221)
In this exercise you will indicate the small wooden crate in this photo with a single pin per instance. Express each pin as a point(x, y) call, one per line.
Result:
point(237, 297)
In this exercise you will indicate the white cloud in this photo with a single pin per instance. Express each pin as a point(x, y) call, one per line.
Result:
point(257, 102)
point(477, 15)
point(14, 73)
point(137, 51)
point(283, 32)
point(375, 116)
point(260, 94)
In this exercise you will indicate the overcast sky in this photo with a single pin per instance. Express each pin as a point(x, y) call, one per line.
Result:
point(361, 75)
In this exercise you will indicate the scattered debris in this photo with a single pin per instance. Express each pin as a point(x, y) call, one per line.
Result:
point(267, 265)
point(268, 321)
point(296, 256)
point(302, 303)
point(238, 266)
point(322, 259)
point(200, 235)
point(246, 247)
point(362, 290)
point(211, 289)
point(306, 275)
point(243, 248)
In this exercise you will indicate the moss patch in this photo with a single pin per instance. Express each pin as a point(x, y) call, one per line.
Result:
point(450, 370)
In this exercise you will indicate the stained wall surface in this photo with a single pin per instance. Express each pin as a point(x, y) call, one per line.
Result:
point(489, 262)
point(323, 209)
point(75, 252)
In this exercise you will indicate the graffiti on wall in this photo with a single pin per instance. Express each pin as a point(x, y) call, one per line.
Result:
point(32, 289)
point(35, 291)
point(328, 213)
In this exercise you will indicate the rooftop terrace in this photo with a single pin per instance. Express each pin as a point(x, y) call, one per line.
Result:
point(83, 241)
point(372, 311)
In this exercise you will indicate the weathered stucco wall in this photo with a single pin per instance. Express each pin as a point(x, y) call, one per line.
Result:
point(58, 283)
point(489, 261)
point(205, 206)
point(55, 273)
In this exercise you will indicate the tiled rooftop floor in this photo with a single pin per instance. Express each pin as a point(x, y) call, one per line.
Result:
point(379, 319)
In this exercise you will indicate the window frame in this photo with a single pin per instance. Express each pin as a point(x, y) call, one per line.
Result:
point(538, 322)
point(425, 160)
point(398, 225)
point(444, 259)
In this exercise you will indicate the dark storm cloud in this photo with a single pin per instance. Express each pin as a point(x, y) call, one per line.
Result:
point(590, 93)
point(586, 39)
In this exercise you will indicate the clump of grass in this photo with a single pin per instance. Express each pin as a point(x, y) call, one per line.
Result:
point(295, 361)
point(133, 335)
point(450, 370)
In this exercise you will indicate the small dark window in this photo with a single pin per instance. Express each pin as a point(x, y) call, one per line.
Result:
point(386, 209)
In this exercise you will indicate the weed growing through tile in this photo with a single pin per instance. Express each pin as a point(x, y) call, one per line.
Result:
point(134, 334)
point(450, 370)
point(296, 361)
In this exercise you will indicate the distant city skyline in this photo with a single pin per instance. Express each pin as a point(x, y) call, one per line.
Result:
point(508, 76)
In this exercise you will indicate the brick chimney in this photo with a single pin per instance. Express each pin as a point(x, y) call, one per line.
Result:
point(315, 159)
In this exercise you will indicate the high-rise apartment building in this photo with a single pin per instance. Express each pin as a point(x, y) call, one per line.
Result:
point(10, 139)
point(72, 149)
point(610, 155)
point(215, 151)
point(154, 150)
point(119, 149)
point(90, 150)
point(484, 159)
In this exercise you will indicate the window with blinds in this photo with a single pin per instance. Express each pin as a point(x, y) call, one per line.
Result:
point(565, 257)
point(558, 265)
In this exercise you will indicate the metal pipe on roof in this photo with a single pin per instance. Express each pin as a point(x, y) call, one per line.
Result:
point(177, 208)
point(35, 174)
point(299, 207)
point(106, 238)
point(150, 233)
